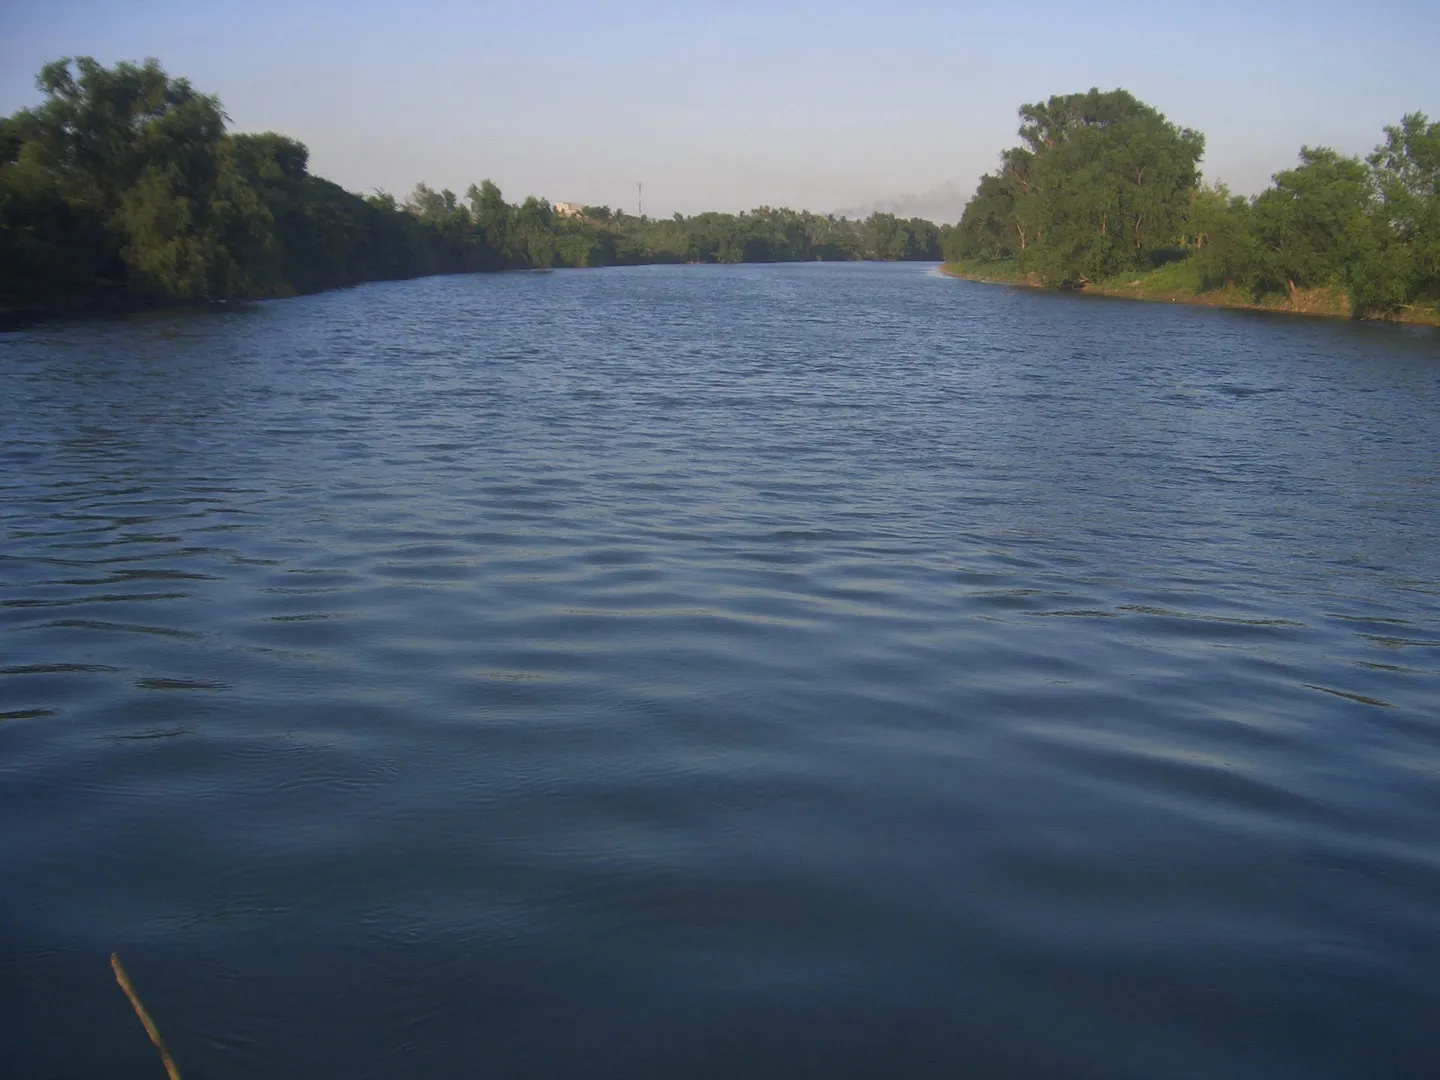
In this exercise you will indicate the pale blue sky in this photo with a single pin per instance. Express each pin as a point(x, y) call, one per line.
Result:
point(737, 104)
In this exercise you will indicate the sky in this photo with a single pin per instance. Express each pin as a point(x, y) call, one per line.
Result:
point(821, 104)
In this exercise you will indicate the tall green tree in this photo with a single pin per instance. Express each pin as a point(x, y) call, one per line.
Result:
point(532, 237)
point(1312, 222)
point(988, 228)
point(1219, 232)
point(491, 215)
point(1099, 183)
point(1405, 172)
point(146, 156)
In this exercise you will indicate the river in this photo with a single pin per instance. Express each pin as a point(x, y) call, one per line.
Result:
point(767, 671)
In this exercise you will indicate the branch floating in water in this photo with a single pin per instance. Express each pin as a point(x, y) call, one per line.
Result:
point(150, 1029)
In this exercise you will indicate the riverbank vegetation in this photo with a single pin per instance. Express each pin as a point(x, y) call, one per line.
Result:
point(1104, 193)
point(123, 188)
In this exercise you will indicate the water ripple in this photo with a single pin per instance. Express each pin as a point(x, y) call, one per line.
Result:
point(718, 671)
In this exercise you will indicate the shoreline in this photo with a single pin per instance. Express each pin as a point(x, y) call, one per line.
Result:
point(1325, 303)
point(119, 304)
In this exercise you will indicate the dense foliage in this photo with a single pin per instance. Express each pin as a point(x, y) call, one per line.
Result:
point(1100, 180)
point(123, 187)
point(1104, 185)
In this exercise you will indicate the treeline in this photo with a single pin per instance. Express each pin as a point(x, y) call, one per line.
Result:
point(123, 188)
point(536, 234)
point(1103, 185)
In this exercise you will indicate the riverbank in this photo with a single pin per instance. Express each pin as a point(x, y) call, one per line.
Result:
point(1177, 283)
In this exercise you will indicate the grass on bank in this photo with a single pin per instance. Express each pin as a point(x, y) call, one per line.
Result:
point(1180, 282)
point(999, 271)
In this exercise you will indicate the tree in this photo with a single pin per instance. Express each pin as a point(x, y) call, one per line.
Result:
point(1218, 230)
point(194, 227)
point(123, 186)
point(144, 159)
point(1100, 182)
point(1405, 173)
point(1312, 222)
point(987, 228)
point(491, 215)
point(532, 240)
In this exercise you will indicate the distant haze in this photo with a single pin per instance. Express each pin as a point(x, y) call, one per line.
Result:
point(943, 204)
point(835, 106)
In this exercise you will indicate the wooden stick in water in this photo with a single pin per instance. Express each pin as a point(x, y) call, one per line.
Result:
point(150, 1028)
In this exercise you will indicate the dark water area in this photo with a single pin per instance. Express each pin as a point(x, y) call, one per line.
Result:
point(833, 671)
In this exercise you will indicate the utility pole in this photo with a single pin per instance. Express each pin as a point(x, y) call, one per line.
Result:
point(640, 197)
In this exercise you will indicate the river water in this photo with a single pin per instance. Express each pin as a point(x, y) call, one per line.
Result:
point(834, 671)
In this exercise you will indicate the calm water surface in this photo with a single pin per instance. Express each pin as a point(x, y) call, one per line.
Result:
point(707, 672)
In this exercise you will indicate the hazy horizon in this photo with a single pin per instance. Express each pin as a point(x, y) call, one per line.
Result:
point(840, 106)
